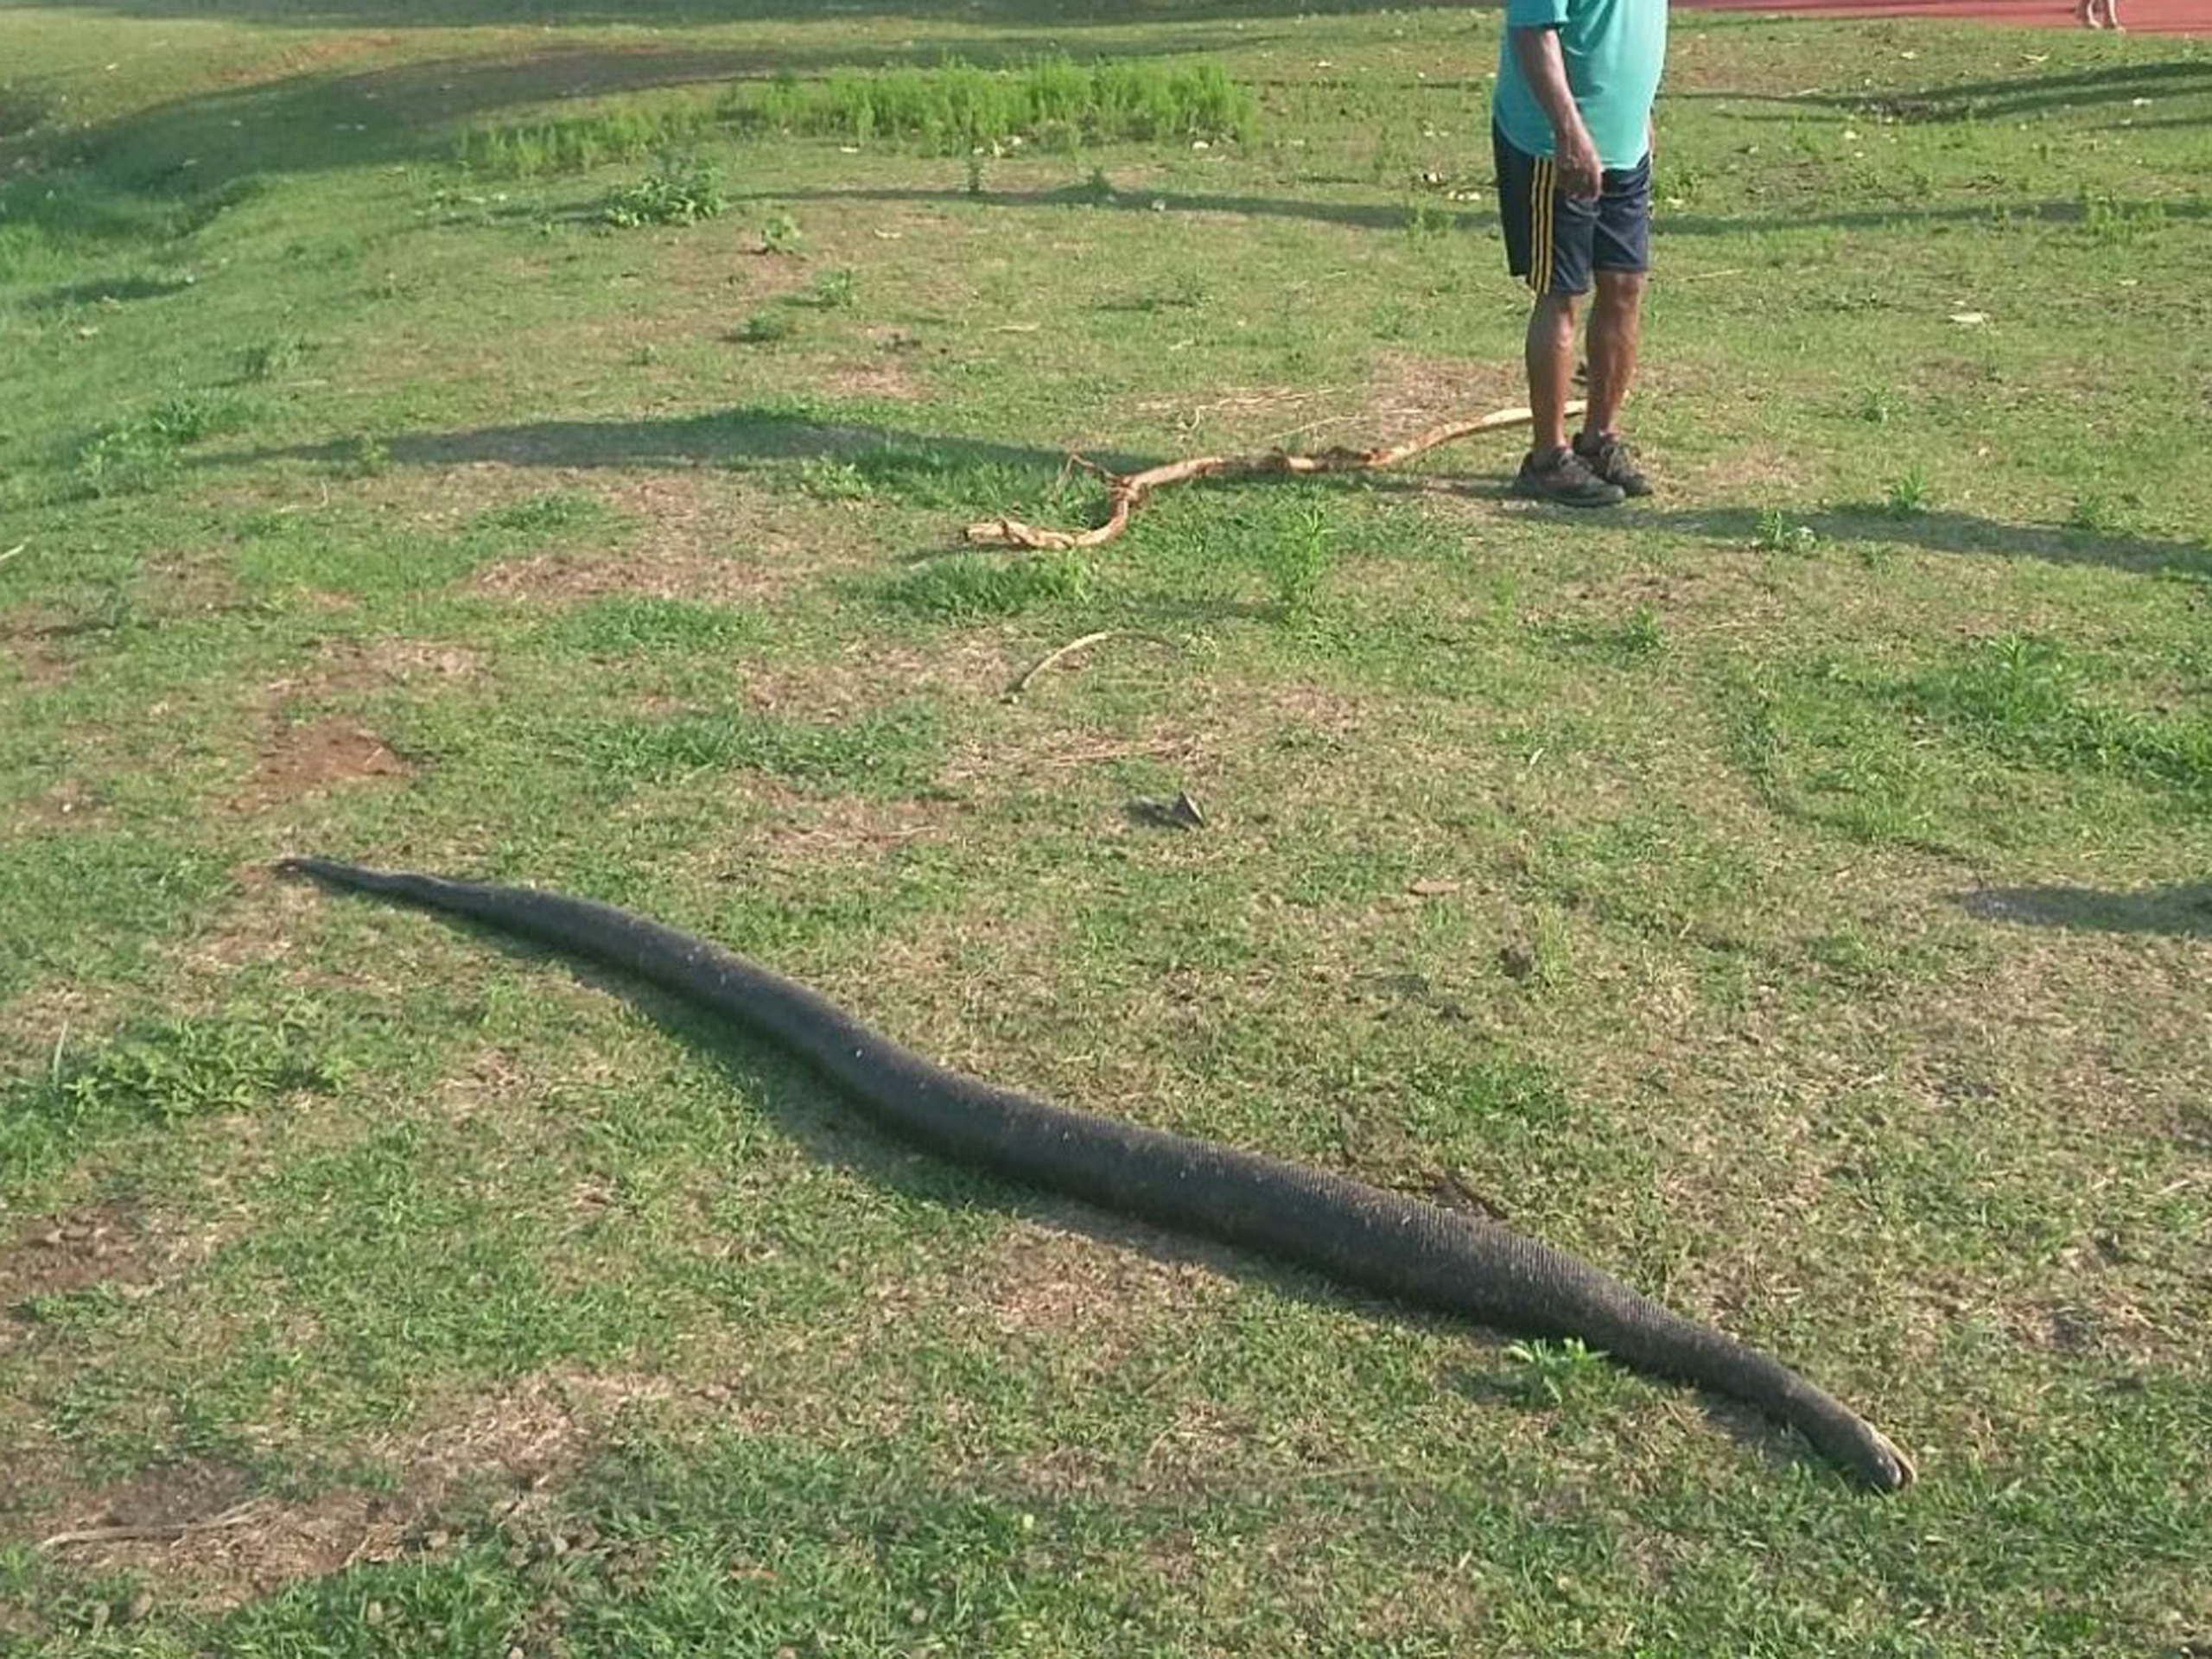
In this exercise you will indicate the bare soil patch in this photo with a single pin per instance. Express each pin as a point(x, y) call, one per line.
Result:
point(38, 664)
point(704, 545)
point(348, 666)
point(68, 805)
point(867, 676)
point(106, 1244)
point(1407, 390)
point(882, 377)
point(172, 586)
point(298, 762)
point(207, 1537)
point(841, 831)
point(1048, 1282)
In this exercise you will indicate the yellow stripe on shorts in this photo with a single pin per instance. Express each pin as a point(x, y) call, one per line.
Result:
point(1541, 197)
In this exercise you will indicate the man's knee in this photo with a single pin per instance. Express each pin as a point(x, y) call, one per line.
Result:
point(1555, 315)
point(1620, 290)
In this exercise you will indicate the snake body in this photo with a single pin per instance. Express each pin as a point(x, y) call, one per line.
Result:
point(1356, 1234)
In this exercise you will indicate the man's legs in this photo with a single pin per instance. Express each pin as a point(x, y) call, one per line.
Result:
point(1548, 241)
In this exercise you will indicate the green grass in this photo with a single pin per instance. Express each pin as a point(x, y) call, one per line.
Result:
point(1788, 893)
point(535, 150)
point(172, 1071)
point(682, 190)
point(972, 586)
point(1051, 102)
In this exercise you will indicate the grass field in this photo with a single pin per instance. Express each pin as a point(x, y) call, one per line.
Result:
point(438, 440)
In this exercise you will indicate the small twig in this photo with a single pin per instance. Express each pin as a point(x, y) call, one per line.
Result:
point(12, 551)
point(231, 1518)
point(1072, 646)
point(1076, 461)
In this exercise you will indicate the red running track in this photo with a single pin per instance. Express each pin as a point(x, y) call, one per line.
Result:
point(2141, 16)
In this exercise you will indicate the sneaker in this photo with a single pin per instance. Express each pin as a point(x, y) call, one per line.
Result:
point(1563, 476)
point(1610, 459)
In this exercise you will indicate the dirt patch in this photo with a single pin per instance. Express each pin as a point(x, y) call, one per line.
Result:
point(40, 639)
point(406, 659)
point(1258, 417)
point(841, 830)
point(301, 761)
point(349, 666)
point(38, 665)
point(1058, 751)
point(1406, 391)
point(172, 586)
point(868, 675)
point(884, 376)
point(1204, 743)
point(68, 805)
point(1045, 1281)
point(208, 1539)
point(703, 544)
point(104, 1244)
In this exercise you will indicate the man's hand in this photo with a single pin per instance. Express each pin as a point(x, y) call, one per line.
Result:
point(1544, 68)
point(1581, 173)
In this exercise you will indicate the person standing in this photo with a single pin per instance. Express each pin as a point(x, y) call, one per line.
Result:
point(1572, 130)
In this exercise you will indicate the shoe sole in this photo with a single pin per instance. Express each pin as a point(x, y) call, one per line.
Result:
point(1613, 500)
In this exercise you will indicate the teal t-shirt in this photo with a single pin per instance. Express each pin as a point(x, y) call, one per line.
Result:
point(1613, 50)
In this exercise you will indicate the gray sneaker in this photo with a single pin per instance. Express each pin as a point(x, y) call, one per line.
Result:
point(1610, 459)
point(1565, 478)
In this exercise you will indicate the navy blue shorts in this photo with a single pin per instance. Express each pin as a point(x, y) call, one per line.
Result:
point(1556, 242)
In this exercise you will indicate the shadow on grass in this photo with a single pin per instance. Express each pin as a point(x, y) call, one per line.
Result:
point(840, 1133)
point(1956, 532)
point(2015, 95)
point(736, 437)
point(1936, 532)
point(1865, 522)
point(109, 290)
point(1404, 217)
point(728, 438)
point(2183, 911)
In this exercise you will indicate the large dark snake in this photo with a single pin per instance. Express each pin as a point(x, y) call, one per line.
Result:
point(1349, 1231)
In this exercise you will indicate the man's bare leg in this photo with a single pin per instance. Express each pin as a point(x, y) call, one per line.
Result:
point(1551, 369)
point(1616, 332)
